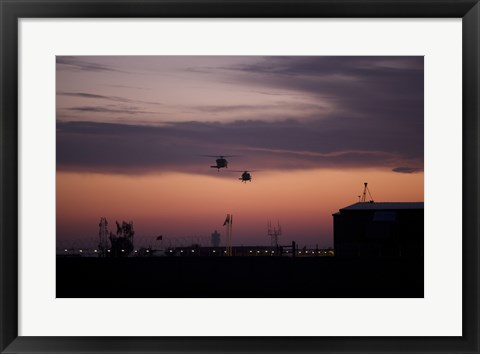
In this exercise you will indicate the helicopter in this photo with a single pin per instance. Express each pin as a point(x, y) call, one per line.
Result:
point(221, 161)
point(246, 176)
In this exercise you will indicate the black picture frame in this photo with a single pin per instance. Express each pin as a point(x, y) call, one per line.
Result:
point(11, 11)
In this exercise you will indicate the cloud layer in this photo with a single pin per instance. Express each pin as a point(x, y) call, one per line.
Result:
point(287, 144)
point(275, 112)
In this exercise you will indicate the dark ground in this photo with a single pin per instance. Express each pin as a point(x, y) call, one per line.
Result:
point(239, 277)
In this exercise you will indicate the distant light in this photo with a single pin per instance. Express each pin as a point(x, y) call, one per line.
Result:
point(149, 251)
point(135, 251)
point(95, 251)
point(273, 252)
point(170, 251)
point(258, 251)
point(300, 252)
point(266, 251)
point(287, 251)
point(80, 251)
point(181, 251)
point(108, 250)
point(306, 251)
point(224, 251)
point(123, 250)
point(66, 250)
point(213, 251)
point(250, 251)
point(193, 250)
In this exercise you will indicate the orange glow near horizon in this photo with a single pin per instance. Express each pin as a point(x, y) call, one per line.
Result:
point(186, 205)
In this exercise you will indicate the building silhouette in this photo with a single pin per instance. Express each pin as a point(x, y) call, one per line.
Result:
point(369, 229)
point(215, 239)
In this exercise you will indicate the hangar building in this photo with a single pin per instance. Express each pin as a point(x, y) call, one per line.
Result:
point(370, 229)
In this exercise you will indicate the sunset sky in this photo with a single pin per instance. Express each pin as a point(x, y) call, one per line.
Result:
point(131, 132)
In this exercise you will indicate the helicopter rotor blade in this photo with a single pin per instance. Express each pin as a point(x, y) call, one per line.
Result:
point(220, 156)
point(242, 171)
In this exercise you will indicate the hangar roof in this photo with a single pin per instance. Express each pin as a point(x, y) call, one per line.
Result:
point(384, 206)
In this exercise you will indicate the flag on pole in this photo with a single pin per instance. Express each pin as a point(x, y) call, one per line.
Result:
point(159, 238)
point(227, 220)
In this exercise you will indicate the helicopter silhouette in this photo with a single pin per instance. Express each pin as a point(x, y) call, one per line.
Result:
point(246, 176)
point(221, 161)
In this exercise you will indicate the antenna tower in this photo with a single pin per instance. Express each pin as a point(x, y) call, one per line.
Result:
point(103, 237)
point(364, 195)
point(274, 232)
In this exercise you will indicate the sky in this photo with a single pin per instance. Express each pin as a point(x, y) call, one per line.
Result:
point(133, 132)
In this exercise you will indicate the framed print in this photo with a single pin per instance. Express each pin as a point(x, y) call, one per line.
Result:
point(260, 176)
point(257, 258)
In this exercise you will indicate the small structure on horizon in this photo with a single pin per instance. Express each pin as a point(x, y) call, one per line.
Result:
point(215, 240)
